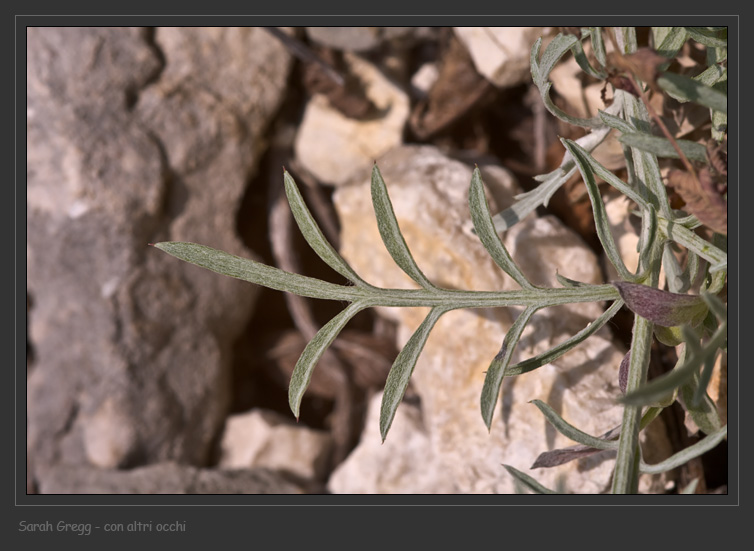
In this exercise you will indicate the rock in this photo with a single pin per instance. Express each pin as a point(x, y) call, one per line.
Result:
point(264, 439)
point(429, 194)
point(137, 136)
point(355, 39)
point(165, 478)
point(501, 54)
point(392, 467)
point(424, 78)
point(335, 148)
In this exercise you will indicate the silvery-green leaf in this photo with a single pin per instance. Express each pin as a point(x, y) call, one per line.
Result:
point(602, 172)
point(682, 235)
point(601, 222)
point(712, 75)
point(581, 59)
point(568, 430)
point(703, 413)
point(485, 229)
point(658, 389)
point(598, 46)
point(684, 456)
point(719, 125)
point(593, 122)
point(669, 40)
point(662, 146)
point(313, 235)
point(704, 379)
point(528, 481)
point(694, 397)
point(556, 49)
point(526, 203)
point(400, 373)
point(256, 272)
point(626, 39)
point(540, 70)
point(685, 89)
point(557, 351)
point(713, 37)
point(302, 372)
point(716, 306)
point(391, 233)
point(568, 282)
point(646, 168)
point(647, 237)
point(677, 279)
point(496, 372)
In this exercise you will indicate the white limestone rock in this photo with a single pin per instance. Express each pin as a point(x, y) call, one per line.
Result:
point(501, 54)
point(264, 439)
point(335, 148)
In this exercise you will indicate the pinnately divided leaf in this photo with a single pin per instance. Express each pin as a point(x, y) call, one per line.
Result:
point(362, 295)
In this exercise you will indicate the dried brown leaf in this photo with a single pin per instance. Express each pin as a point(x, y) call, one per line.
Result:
point(349, 98)
point(702, 198)
point(718, 156)
point(644, 64)
point(457, 89)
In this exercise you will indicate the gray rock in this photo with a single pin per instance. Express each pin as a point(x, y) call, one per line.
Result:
point(137, 136)
point(355, 39)
point(165, 478)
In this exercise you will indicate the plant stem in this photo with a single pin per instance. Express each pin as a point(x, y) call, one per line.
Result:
point(626, 477)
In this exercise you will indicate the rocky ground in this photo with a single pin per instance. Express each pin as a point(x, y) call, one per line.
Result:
point(147, 375)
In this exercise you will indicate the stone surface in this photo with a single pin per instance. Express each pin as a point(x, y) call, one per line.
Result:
point(266, 439)
point(166, 478)
point(137, 136)
point(392, 467)
point(355, 39)
point(335, 148)
point(501, 54)
point(429, 194)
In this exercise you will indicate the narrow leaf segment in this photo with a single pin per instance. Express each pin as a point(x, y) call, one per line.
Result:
point(391, 233)
point(400, 373)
